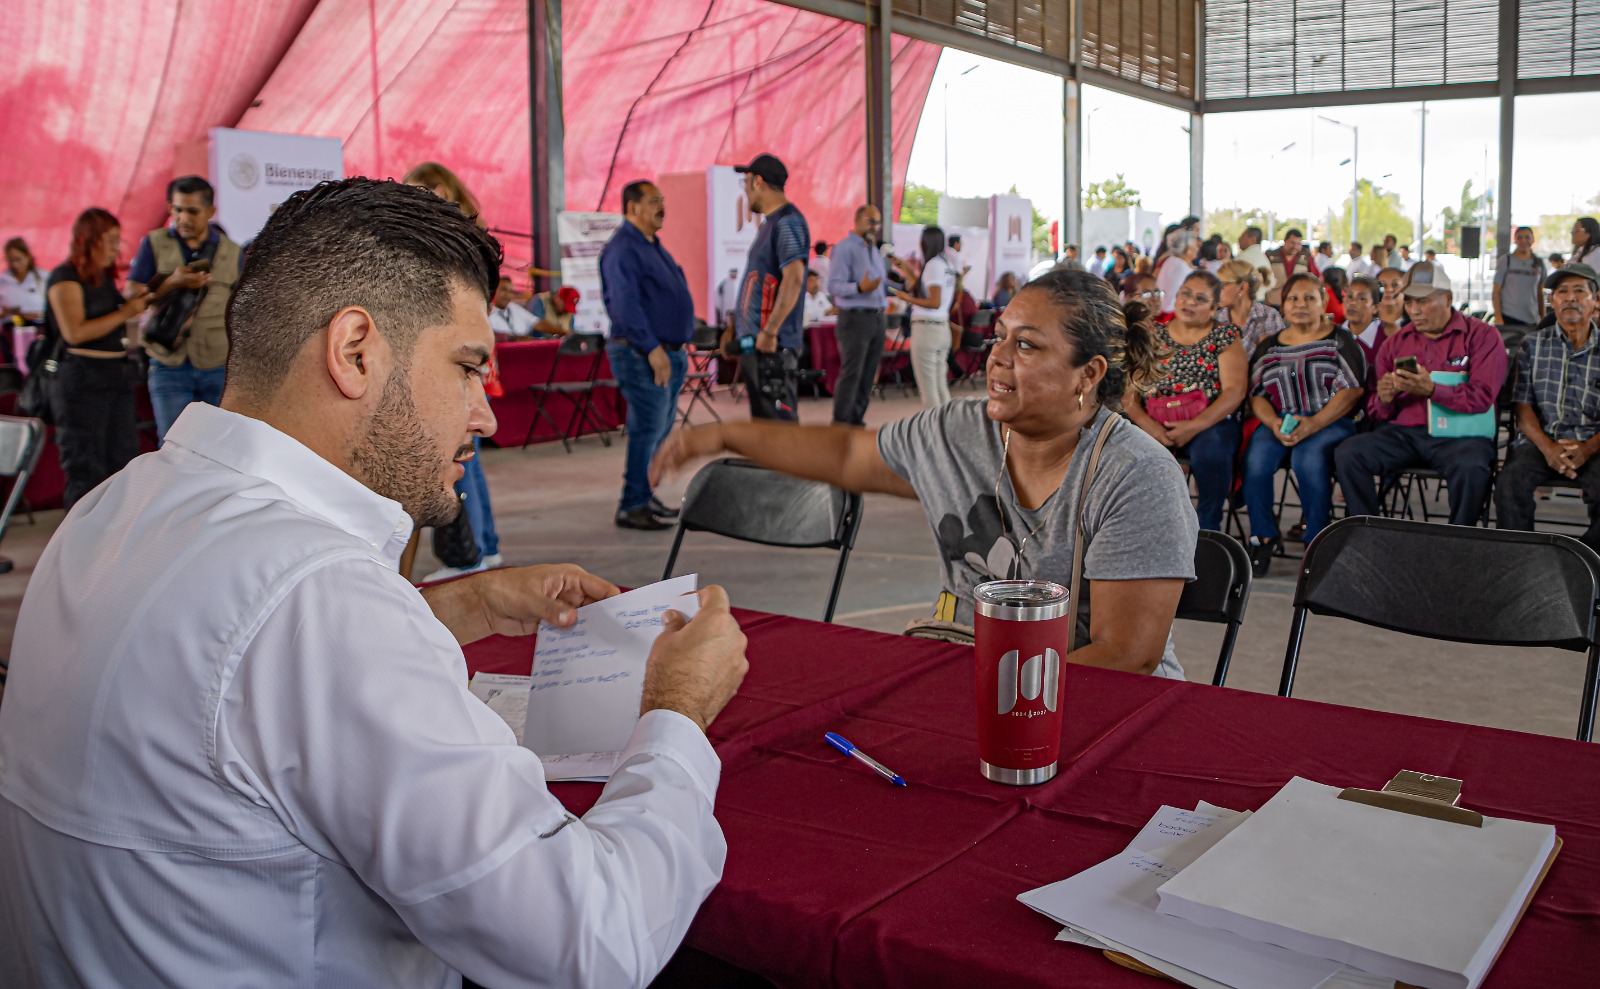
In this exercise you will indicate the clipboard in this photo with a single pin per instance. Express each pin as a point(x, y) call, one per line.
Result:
point(1419, 794)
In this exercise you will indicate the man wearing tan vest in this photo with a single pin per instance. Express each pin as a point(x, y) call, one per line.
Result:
point(172, 259)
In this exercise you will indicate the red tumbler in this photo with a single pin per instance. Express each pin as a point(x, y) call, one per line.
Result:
point(1021, 635)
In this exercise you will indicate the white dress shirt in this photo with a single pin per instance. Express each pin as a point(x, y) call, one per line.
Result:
point(816, 308)
point(26, 294)
point(513, 320)
point(238, 750)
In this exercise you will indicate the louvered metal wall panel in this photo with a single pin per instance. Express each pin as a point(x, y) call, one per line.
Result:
point(1286, 47)
point(1035, 25)
point(1148, 42)
point(1558, 38)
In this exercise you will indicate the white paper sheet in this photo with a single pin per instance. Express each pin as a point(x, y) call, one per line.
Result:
point(1422, 901)
point(583, 699)
point(506, 694)
point(1115, 903)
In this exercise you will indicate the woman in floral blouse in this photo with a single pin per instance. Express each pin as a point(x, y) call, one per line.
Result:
point(1203, 380)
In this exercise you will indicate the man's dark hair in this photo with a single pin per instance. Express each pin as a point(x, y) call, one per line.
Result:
point(1520, 229)
point(633, 192)
point(1356, 244)
point(191, 185)
point(395, 250)
point(1254, 232)
point(821, 247)
point(1293, 232)
point(955, 241)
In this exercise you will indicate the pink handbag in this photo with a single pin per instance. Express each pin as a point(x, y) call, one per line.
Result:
point(1176, 408)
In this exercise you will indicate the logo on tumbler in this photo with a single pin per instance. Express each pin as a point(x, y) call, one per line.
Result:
point(1039, 675)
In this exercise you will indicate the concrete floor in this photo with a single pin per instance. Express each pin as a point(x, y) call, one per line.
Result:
point(552, 506)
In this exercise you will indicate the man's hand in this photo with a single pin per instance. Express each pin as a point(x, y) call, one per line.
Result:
point(1419, 383)
point(868, 284)
point(661, 366)
point(515, 600)
point(1574, 454)
point(696, 664)
point(767, 342)
point(682, 446)
point(1555, 457)
point(1388, 387)
point(187, 278)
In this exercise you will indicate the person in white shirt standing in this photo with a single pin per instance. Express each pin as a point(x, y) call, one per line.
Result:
point(1250, 250)
point(930, 297)
point(727, 298)
point(239, 746)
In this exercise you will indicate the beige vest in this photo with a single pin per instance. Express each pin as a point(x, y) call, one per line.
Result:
point(207, 345)
point(564, 320)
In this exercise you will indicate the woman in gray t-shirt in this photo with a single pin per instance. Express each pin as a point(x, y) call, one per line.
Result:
point(999, 477)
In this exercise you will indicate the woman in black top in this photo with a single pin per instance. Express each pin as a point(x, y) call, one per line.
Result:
point(96, 428)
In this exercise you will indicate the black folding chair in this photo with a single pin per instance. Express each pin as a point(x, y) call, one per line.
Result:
point(21, 442)
point(970, 358)
point(895, 368)
point(1455, 584)
point(1219, 592)
point(581, 349)
point(745, 501)
point(700, 379)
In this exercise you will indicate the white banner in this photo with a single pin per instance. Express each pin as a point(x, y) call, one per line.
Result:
point(1010, 237)
point(582, 236)
point(730, 227)
point(253, 171)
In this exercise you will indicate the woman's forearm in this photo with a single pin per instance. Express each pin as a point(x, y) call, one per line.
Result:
point(93, 329)
point(843, 456)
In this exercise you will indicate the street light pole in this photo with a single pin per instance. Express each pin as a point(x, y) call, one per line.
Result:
point(1355, 177)
point(1272, 216)
point(947, 130)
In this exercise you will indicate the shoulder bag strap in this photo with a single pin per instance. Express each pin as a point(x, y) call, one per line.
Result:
point(1078, 540)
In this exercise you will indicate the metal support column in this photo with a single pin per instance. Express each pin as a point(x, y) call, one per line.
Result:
point(547, 165)
point(880, 123)
point(1072, 165)
point(1508, 119)
point(1197, 165)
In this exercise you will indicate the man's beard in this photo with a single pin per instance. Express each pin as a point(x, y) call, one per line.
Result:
point(394, 457)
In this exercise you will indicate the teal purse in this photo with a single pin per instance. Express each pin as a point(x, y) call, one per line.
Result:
point(1450, 424)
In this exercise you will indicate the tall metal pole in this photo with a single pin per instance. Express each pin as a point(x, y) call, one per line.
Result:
point(880, 149)
point(548, 164)
point(1422, 184)
point(1355, 183)
point(1071, 162)
point(946, 131)
point(1508, 118)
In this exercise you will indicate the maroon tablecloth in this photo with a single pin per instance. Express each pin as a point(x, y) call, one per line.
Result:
point(835, 878)
point(527, 362)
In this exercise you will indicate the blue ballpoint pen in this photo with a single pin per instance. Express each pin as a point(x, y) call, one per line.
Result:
point(844, 745)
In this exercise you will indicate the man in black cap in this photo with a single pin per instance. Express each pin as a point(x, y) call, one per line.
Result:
point(1556, 400)
point(767, 332)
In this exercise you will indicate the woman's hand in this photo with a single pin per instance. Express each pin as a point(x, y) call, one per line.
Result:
point(1182, 433)
point(683, 446)
point(135, 305)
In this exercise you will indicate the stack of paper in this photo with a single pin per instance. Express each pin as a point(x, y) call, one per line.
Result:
point(1310, 892)
point(578, 708)
point(1422, 901)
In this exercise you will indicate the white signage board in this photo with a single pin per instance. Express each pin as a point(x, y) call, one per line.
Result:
point(731, 227)
point(1010, 237)
point(582, 236)
point(253, 171)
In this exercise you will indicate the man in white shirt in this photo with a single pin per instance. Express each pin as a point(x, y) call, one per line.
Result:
point(727, 297)
point(505, 316)
point(238, 747)
point(818, 306)
point(1250, 250)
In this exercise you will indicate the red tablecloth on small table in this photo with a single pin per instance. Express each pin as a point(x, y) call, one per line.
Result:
point(836, 878)
point(527, 362)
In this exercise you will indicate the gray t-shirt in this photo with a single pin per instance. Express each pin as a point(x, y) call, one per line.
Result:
point(1138, 517)
point(1520, 284)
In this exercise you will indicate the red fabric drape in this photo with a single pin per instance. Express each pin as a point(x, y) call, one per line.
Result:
point(100, 96)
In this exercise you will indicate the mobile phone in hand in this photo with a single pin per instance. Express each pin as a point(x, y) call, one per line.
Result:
point(1408, 364)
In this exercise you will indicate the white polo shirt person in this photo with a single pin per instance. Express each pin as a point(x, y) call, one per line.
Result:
point(238, 748)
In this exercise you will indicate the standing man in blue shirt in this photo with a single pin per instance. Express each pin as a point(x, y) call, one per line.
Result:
point(652, 317)
point(768, 324)
point(856, 284)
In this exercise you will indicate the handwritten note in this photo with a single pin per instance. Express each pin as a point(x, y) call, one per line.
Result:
point(583, 697)
point(506, 694)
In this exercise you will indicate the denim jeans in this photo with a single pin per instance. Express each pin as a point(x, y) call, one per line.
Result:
point(1312, 462)
point(651, 412)
point(173, 388)
point(1211, 464)
point(480, 511)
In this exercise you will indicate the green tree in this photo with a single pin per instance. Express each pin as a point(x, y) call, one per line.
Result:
point(1111, 194)
point(1230, 223)
point(1381, 214)
point(1471, 211)
point(919, 204)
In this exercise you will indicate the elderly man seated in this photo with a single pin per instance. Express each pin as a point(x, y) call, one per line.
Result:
point(1437, 381)
point(1557, 404)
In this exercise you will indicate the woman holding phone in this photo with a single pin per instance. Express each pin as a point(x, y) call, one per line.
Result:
point(1306, 382)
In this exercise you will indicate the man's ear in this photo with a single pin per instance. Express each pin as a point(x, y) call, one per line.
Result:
point(354, 353)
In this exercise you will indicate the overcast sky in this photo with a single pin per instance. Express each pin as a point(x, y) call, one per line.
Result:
point(1005, 128)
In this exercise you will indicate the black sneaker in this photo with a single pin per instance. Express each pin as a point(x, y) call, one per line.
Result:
point(643, 519)
point(657, 508)
point(1261, 555)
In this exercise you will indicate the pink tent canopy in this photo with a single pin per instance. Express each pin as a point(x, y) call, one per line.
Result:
point(102, 97)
